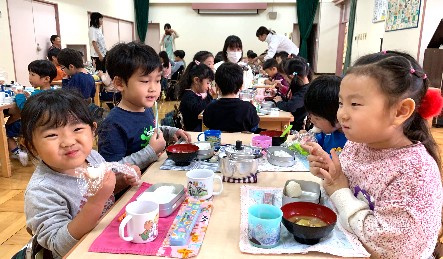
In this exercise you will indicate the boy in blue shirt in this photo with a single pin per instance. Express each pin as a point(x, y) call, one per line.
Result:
point(124, 135)
point(41, 74)
point(321, 102)
point(71, 62)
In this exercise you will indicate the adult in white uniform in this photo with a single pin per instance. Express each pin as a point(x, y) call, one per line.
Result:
point(276, 43)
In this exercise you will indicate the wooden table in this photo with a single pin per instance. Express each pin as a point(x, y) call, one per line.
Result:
point(269, 122)
point(97, 90)
point(262, 86)
point(223, 235)
point(4, 152)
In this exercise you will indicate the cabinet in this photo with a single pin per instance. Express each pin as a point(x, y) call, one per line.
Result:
point(433, 66)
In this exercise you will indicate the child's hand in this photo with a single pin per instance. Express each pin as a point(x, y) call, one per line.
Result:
point(323, 166)
point(157, 142)
point(17, 90)
point(108, 185)
point(131, 179)
point(317, 158)
point(183, 134)
point(213, 92)
point(278, 99)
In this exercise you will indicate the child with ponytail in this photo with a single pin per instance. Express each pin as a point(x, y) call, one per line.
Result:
point(386, 184)
point(194, 87)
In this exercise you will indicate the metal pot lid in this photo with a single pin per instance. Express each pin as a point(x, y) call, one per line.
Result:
point(240, 151)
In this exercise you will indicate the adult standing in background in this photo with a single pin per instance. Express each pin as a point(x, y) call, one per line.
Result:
point(97, 41)
point(56, 42)
point(276, 43)
point(168, 41)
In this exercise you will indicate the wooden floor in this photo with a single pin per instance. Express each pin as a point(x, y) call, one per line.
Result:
point(13, 235)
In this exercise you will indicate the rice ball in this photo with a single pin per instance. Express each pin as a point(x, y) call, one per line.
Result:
point(293, 189)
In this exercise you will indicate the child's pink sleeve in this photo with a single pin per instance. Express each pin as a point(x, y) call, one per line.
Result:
point(406, 218)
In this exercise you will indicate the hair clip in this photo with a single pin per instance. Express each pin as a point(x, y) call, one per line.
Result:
point(197, 62)
point(412, 70)
point(425, 76)
point(384, 52)
point(294, 74)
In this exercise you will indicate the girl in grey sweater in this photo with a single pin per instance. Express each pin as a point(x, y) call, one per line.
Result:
point(58, 129)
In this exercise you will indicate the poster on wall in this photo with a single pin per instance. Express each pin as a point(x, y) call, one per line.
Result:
point(380, 9)
point(402, 14)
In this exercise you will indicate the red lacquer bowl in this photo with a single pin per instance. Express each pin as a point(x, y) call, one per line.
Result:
point(182, 154)
point(304, 234)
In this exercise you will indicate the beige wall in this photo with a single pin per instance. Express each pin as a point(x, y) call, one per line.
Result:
point(327, 37)
point(73, 21)
point(405, 40)
point(363, 24)
point(6, 62)
point(208, 32)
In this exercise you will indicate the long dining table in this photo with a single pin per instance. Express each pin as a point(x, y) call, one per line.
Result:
point(223, 233)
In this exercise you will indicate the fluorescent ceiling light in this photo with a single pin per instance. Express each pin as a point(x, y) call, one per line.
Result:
point(236, 11)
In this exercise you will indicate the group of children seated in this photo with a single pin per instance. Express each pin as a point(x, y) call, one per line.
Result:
point(385, 184)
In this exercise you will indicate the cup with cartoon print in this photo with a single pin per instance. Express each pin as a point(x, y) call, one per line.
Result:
point(201, 184)
point(141, 222)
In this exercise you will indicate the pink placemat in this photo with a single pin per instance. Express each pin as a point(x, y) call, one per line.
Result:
point(109, 240)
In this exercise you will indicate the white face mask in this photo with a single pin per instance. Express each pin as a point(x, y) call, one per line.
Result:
point(234, 56)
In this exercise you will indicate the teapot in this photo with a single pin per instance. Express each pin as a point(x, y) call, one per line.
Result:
point(239, 161)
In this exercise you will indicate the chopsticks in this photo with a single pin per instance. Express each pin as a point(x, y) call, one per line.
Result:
point(156, 117)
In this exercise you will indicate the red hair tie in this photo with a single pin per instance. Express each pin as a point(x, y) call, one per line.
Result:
point(431, 104)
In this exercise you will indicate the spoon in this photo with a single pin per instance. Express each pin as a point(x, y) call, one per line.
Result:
point(286, 131)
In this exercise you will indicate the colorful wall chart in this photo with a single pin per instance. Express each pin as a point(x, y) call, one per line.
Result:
point(402, 14)
point(380, 10)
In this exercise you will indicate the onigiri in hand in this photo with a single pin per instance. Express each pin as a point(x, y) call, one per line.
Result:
point(293, 189)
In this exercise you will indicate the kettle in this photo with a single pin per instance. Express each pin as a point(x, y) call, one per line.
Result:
point(239, 161)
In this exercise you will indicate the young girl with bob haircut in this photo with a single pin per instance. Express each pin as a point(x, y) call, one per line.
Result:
point(386, 184)
point(194, 87)
point(59, 129)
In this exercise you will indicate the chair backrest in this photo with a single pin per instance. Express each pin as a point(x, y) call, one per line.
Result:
point(177, 74)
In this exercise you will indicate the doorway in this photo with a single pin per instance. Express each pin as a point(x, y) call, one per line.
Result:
point(32, 23)
point(153, 36)
point(342, 37)
point(312, 43)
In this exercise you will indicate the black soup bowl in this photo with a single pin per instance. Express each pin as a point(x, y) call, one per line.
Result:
point(308, 235)
point(182, 154)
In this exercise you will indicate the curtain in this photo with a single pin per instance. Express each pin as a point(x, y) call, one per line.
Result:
point(306, 10)
point(350, 37)
point(141, 18)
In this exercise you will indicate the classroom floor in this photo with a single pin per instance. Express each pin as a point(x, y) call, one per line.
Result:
point(13, 235)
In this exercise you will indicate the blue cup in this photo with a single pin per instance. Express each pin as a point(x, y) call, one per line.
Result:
point(264, 225)
point(213, 136)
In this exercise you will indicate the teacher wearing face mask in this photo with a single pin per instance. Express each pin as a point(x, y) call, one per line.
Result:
point(276, 43)
point(233, 52)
